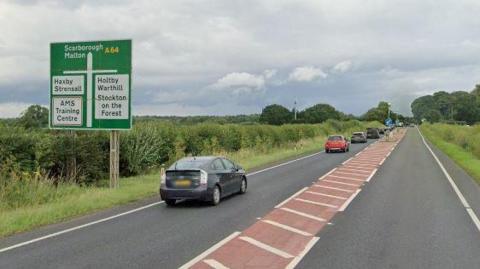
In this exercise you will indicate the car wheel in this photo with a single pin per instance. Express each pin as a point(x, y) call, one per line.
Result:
point(327, 151)
point(170, 202)
point(243, 186)
point(216, 196)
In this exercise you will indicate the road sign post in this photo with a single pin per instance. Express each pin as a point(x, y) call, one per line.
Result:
point(90, 89)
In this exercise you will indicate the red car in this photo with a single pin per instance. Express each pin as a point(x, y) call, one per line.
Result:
point(337, 143)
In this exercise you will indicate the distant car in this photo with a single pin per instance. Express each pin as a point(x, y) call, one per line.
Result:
point(359, 137)
point(373, 133)
point(381, 131)
point(205, 178)
point(337, 143)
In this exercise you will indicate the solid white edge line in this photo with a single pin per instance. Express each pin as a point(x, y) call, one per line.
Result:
point(215, 264)
point(347, 160)
point(371, 175)
point(287, 228)
point(302, 254)
point(133, 210)
point(381, 163)
point(327, 174)
point(283, 164)
point(315, 203)
point(300, 213)
point(266, 247)
point(462, 198)
point(344, 206)
point(78, 227)
point(290, 198)
point(209, 251)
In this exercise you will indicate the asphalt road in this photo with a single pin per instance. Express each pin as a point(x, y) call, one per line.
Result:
point(162, 237)
point(408, 217)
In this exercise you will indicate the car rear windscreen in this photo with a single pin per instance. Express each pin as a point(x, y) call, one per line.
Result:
point(335, 138)
point(188, 164)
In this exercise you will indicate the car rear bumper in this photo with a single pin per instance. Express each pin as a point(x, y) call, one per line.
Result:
point(200, 193)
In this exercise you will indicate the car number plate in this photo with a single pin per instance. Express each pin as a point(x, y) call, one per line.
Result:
point(183, 183)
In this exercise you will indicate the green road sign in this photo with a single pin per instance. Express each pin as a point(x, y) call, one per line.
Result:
point(90, 85)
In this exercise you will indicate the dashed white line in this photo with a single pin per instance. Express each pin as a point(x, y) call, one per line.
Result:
point(215, 264)
point(315, 203)
point(290, 198)
point(266, 247)
point(303, 214)
point(327, 195)
point(286, 227)
point(332, 188)
point(209, 251)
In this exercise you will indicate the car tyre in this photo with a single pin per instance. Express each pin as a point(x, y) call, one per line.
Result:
point(170, 202)
point(243, 186)
point(216, 194)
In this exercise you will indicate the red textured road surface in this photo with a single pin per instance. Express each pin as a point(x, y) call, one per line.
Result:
point(282, 237)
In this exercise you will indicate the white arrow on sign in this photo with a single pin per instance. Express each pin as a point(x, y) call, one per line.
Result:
point(89, 73)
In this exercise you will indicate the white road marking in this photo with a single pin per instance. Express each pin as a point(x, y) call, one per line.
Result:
point(266, 247)
point(355, 170)
point(302, 254)
point(133, 210)
point(347, 178)
point(315, 203)
point(462, 198)
point(306, 215)
point(215, 264)
point(78, 227)
point(344, 206)
point(209, 251)
point(286, 227)
point(290, 198)
point(341, 183)
point(327, 195)
point(362, 164)
point(371, 175)
point(364, 161)
point(381, 163)
point(353, 174)
point(347, 160)
point(331, 171)
point(332, 188)
point(356, 166)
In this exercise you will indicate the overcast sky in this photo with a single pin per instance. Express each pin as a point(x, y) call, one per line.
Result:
point(231, 57)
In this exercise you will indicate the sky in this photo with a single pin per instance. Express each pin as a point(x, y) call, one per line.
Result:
point(224, 57)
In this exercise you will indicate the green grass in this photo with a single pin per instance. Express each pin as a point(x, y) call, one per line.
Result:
point(461, 155)
point(73, 201)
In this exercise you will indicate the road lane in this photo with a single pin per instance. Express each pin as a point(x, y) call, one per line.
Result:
point(410, 217)
point(167, 237)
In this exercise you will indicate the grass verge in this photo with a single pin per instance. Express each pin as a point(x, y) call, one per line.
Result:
point(75, 201)
point(463, 157)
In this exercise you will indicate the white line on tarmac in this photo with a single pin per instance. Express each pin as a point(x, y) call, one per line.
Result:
point(315, 203)
point(215, 264)
point(371, 175)
point(302, 254)
point(347, 178)
point(266, 247)
point(344, 206)
point(287, 228)
point(347, 160)
point(332, 188)
point(78, 227)
point(464, 201)
point(341, 183)
point(290, 198)
point(352, 174)
point(133, 210)
point(326, 195)
point(355, 170)
point(209, 251)
point(331, 171)
point(306, 215)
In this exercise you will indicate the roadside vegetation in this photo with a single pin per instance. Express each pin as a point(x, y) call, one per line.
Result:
point(460, 143)
point(49, 176)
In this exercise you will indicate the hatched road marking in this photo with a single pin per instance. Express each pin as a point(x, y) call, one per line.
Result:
point(266, 247)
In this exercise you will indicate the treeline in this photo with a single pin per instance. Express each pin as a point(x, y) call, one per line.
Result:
point(459, 106)
point(82, 157)
point(277, 115)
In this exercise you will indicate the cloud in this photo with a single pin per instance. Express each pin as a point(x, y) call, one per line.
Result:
point(342, 67)
point(306, 73)
point(12, 110)
point(240, 82)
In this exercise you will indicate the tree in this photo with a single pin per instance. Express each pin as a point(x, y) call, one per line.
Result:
point(320, 113)
point(379, 113)
point(423, 106)
point(276, 115)
point(35, 116)
point(465, 108)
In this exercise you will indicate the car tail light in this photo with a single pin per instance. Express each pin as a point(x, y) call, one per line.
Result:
point(163, 177)
point(203, 177)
